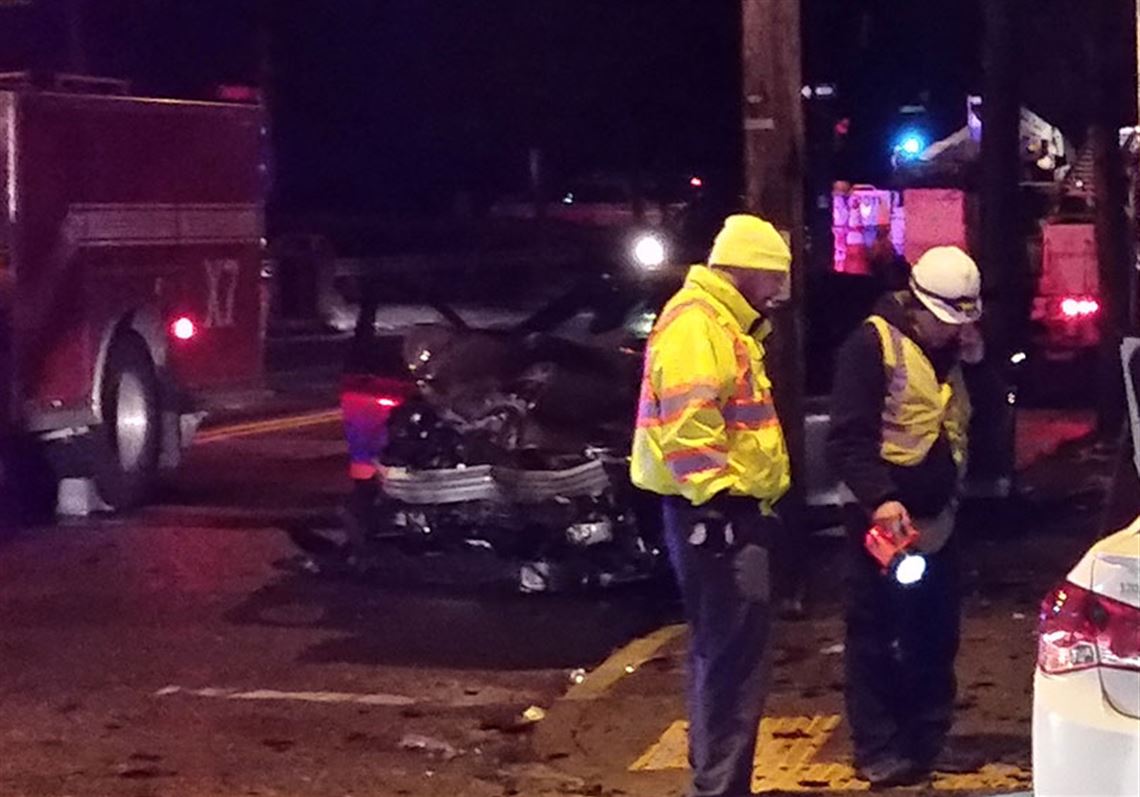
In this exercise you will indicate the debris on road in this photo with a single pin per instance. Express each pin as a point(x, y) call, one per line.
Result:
point(279, 745)
point(534, 577)
point(514, 721)
point(429, 745)
point(134, 772)
point(544, 773)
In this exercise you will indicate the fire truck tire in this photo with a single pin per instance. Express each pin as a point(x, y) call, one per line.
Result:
point(129, 441)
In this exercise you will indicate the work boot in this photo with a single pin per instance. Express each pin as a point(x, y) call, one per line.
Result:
point(951, 761)
point(883, 773)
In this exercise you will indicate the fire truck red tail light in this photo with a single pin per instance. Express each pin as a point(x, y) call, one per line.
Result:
point(183, 328)
point(387, 403)
point(1079, 629)
point(1079, 307)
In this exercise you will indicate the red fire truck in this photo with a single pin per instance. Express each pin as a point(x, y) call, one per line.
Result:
point(131, 245)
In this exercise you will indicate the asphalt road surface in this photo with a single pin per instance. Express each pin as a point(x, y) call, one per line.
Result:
point(186, 650)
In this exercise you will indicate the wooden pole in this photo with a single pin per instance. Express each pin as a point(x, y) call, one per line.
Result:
point(1110, 113)
point(774, 176)
point(774, 189)
point(1003, 260)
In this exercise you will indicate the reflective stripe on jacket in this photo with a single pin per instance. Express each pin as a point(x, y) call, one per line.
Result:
point(706, 423)
point(918, 408)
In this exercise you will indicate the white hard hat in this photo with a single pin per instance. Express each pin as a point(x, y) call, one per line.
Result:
point(947, 282)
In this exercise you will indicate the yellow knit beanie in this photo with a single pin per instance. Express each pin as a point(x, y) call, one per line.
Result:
point(748, 241)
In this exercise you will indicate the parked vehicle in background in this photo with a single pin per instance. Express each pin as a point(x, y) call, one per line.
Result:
point(131, 233)
point(1066, 304)
point(616, 222)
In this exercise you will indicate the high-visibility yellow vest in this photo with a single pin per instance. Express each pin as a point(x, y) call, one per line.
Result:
point(918, 407)
point(706, 422)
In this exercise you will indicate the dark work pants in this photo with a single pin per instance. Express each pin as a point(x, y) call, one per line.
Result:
point(900, 650)
point(726, 592)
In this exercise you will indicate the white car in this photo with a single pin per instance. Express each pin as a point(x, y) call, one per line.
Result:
point(1086, 691)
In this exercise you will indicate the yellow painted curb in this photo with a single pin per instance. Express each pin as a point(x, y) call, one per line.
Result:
point(623, 662)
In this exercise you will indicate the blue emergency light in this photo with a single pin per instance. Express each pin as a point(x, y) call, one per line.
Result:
point(910, 145)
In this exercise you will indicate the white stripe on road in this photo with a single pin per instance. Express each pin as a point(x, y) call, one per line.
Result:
point(623, 662)
point(487, 696)
point(376, 699)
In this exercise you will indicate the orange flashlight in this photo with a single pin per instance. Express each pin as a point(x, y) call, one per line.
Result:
point(892, 552)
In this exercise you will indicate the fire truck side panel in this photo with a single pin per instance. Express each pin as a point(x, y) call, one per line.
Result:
point(130, 214)
point(216, 287)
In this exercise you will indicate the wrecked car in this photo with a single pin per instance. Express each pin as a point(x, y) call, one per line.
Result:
point(511, 440)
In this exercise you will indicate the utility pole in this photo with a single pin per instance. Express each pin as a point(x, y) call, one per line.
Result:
point(267, 86)
point(774, 172)
point(1110, 113)
point(1004, 261)
point(774, 189)
point(773, 115)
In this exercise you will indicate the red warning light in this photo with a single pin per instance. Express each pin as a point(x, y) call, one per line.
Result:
point(184, 328)
point(1076, 307)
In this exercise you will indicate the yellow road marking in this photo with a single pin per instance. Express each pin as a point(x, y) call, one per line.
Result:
point(623, 662)
point(671, 751)
point(991, 776)
point(268, 426)
point(250, 427)
point(785, 760)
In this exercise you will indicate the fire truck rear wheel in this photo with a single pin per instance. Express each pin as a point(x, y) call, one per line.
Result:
point(130, 436)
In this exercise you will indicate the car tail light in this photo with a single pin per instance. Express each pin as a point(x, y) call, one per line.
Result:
point(367, 399)
point(183, 328)
point(1079, 307)
point(1080, 629)
point(354, 402)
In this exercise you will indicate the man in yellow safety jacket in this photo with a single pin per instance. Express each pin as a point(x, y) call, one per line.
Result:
point(709, 442)
point(899, 419)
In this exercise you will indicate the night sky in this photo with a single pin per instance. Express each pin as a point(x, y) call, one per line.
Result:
point(400, 103)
